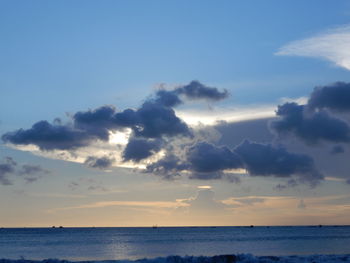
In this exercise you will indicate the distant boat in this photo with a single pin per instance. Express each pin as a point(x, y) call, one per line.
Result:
point(154, 226)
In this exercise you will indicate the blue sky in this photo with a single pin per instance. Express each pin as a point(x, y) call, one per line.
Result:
point(60, 53)
point(58, 58)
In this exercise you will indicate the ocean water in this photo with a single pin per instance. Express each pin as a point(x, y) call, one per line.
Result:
point(96, 244)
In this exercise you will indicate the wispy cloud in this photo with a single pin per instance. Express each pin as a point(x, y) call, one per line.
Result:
point(332, 45)
point(101, 204)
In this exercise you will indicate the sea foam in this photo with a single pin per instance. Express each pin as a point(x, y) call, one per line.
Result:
point(239, 258)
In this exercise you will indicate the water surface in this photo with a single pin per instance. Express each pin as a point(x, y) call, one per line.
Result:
point(138, 242)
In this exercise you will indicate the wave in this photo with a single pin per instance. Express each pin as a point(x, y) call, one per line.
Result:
point(240, 258)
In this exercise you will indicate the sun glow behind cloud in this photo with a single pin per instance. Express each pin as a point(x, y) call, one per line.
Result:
point(119, 137)
point(236, 114)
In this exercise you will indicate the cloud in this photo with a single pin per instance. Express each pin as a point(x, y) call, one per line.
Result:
point(151, 120)
point(155, 118)
point(103, 162)
point(98, 122)
point(28, 172)
point(155, 131)
point(192, 91)
point(27, 169)
point(266, 160)
point(50, 136)
point(168, 167)
point(204, 202)
point(319, 114)
point(168, 98)
point(332, 45)
point(245, 201)
point(138, 149)
point(334, 96)
point(207, 161)
point(196, 90)
point(31, 173)
point(310, 127)
point(149, 128)
point(232, 134)
point(7, 167)
point(88, 183)
point(337, 149)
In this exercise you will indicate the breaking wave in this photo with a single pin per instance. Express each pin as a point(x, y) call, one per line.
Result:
point(240, 258)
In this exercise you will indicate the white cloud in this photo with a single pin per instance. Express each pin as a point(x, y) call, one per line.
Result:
point(332, 45)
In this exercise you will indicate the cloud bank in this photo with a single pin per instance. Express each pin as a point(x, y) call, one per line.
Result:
point(161, 143)
point(207, 161)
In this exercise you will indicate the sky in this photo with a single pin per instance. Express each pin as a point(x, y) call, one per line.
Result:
point(174, 113)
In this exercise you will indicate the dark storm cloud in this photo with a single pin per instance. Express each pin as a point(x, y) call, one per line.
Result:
point(103, 162)
point(50, 137)
point(138, 149)
point(334, 96)
point(29, 173)
point(266, 160)
point(310, 127)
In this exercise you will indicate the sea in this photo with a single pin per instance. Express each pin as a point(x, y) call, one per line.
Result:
point(176, 244)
